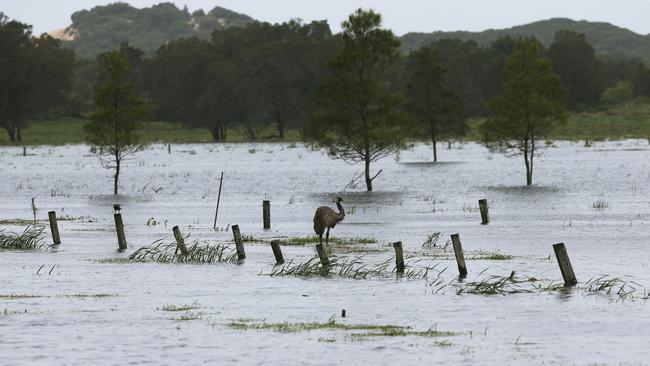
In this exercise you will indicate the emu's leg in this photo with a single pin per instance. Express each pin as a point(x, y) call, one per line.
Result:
point(321, 238)
point(327, 237)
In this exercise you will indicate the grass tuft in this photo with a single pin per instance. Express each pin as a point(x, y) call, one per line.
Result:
point(30, 239)
point(162, 252)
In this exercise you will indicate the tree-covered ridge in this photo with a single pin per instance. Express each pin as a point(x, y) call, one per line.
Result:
point(105, 27)
point(607, 39)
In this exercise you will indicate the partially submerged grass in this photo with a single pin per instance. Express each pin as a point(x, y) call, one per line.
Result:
point(495, 285)
point(350, 267)
point(90, 296)
point(599, 205)
point(489, 256)
point(610, 285)
point(19, 296)
point(198, 252)
point(305, 240)
point(186, 307)
point(369, 330)
point(190, 316)
point(30, 239)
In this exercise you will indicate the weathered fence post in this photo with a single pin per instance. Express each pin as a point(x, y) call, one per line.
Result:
point(216, 212)
point(277, 252)
point(241, 254)
point(343, 313)
point(180, 242)
point(24, 150)
point(119, 227)
point(54, 228)
point(399, 257)
point(565, 264)
point(266, 213)
point(483, 207)
point(320, 249)
point(460, 257)
point(169, 148)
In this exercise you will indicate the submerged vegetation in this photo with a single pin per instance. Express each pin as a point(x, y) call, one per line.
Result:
point(30, 239)
point(306, 240)
point(198, 252)
point(369, 330)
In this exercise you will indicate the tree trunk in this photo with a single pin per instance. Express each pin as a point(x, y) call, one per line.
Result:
point(117, 176)
point(435, 150)
point(15, 134)
point(368, 179)
point(529, 168)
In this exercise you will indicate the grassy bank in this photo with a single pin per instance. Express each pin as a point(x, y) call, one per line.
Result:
point(70, 131)
point(632, 121)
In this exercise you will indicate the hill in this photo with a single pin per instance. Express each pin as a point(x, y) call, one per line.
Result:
point(607, 39)
point(104, 27)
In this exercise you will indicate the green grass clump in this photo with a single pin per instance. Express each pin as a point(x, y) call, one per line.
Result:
point(190, 316)
point(30, 239)
point(610, 285)
point(369, 330)
point(490, 256)
point(162, 252)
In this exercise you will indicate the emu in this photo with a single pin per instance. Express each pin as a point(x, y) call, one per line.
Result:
point(326, 218)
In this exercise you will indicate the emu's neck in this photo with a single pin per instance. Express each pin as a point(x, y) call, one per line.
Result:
point(341, 210)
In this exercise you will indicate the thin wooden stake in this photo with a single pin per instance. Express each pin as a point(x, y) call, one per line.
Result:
point(169, 148)
point(483, 207)
point(119, 227)
point(324, 261)
point(180, 242)
point(277, 251)
point(460, 257)
point(54, 228)
point(216, 213)
point(24, 150)
point(241, 254)
point(399, 257)
point(343, 313)
point(266, 213)
point(34, 209)
point(565, 264)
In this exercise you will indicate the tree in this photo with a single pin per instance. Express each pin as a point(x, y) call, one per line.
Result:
point(358, 119)
point(115, 125)
point(531, 105)
point(35, 76)
point(574, 60)
point(433, 104)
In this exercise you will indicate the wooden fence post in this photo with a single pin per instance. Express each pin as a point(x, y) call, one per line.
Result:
point(565, 264)
point(277, 251)
point(266, 213)
point(119, 227)
point(399, 257)
point(180, 242)
point(483, 207)
point(54, 228)
point(460, 257)
point(241, 254)
point(320, 249)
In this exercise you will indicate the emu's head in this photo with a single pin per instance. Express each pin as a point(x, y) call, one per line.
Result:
point(339, 199)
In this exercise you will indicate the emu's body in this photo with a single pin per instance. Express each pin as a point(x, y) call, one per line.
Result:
point(326, 218)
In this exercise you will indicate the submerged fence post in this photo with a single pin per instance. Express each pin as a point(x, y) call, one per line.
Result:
point(320, 249)
point(54, 228)
point(483, 207)
point(460, 257)
point(266, 213)
point(241, 254)
point(119, 227)
point(180, 242)
point(565, 264)
point(399, 257)
point(277, 252)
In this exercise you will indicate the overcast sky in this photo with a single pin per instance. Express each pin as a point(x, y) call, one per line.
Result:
point(400, 15)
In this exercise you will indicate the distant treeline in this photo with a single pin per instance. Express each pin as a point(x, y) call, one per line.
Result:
point(248, 77)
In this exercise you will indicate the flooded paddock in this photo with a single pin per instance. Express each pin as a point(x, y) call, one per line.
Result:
point(75, 304)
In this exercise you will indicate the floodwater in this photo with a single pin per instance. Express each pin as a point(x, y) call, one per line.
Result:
point(67, 322)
